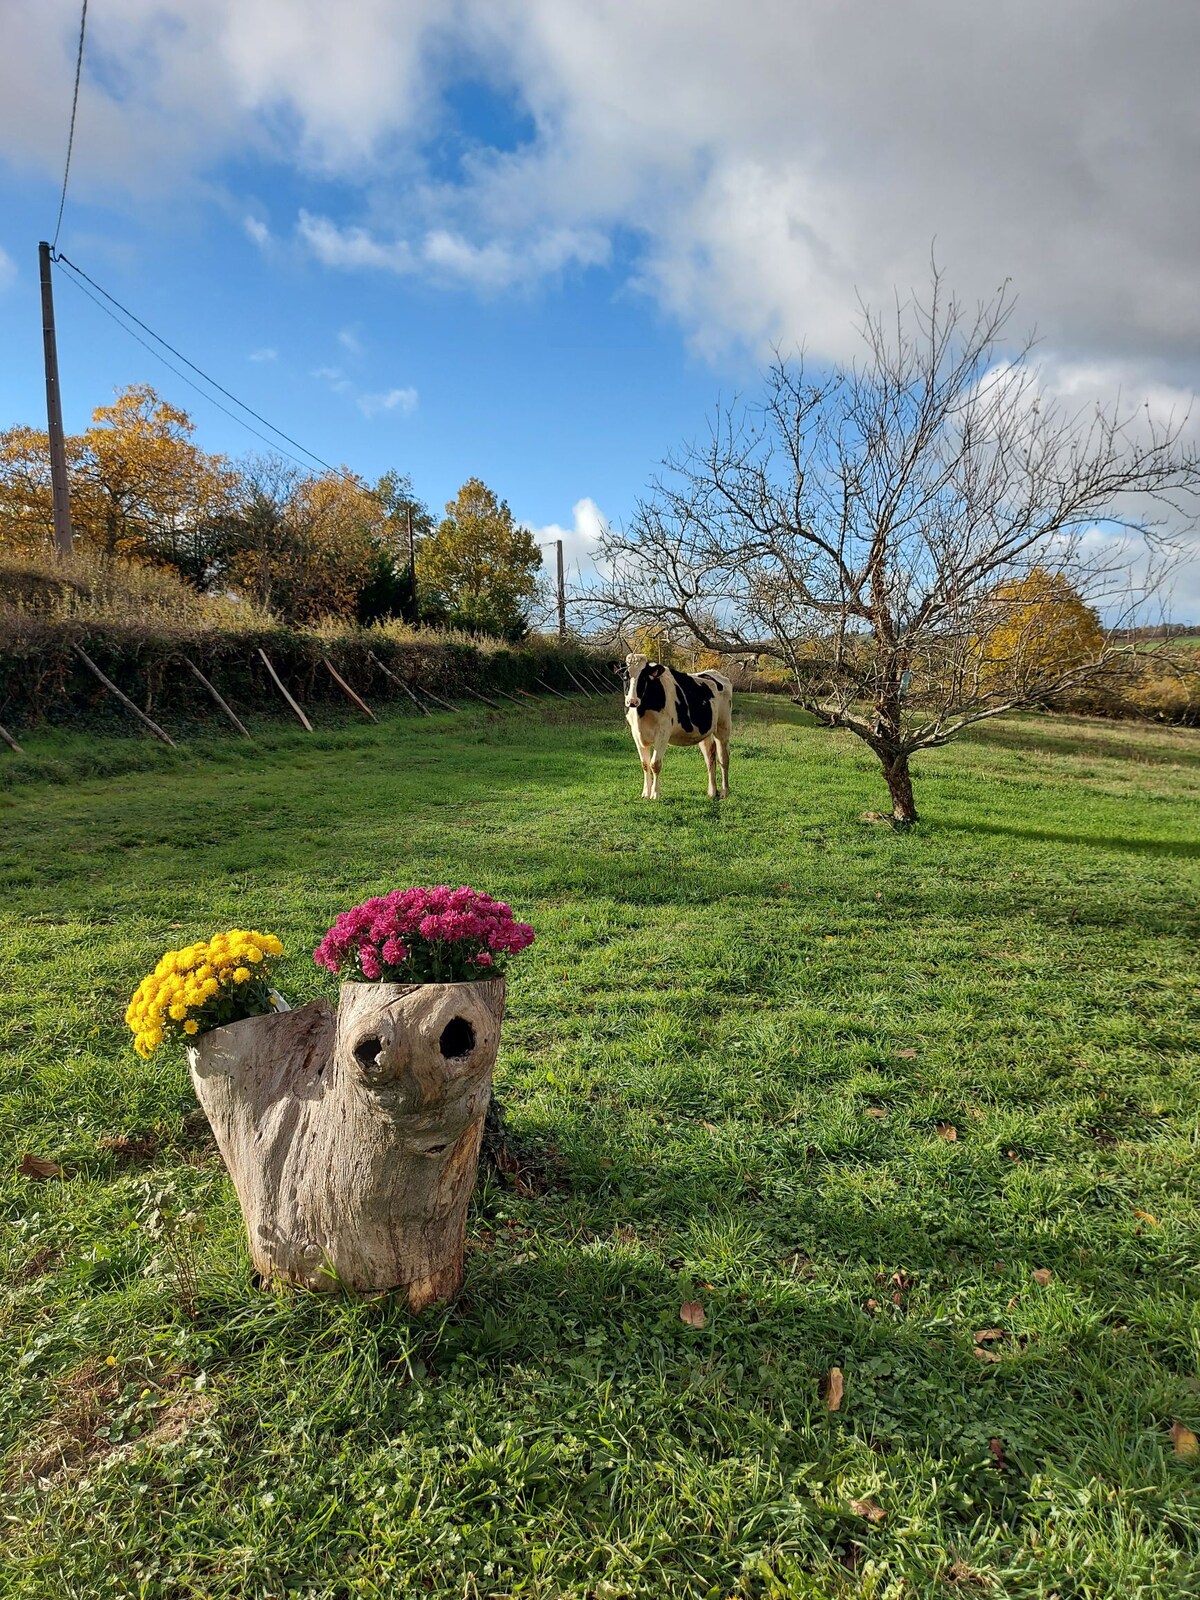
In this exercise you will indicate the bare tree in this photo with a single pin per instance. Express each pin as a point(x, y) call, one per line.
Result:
point(866, 527)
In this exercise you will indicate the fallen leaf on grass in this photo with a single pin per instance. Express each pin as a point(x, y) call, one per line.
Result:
point(983, 1340)
point(1147, 1216)
point(1184, 1442)
point(692, 1312)
point(39, 1167)
point(947, 1131)
point(1042, 1277)
point(835, 1388)
point(871, 1509)
point(129, 1147)
point(907, 1055)
point(871, 1307)
point(996, 1446)
point(876, 1111)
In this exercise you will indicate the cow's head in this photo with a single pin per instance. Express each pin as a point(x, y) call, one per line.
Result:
point(638, 672)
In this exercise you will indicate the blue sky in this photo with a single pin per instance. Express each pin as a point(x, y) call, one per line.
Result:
point(533, 240)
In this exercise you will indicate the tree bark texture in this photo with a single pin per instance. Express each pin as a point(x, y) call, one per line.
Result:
point(352, 1137)
point(899, 782)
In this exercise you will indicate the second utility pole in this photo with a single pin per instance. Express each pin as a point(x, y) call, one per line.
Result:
point(58, 450)
point(562, 594)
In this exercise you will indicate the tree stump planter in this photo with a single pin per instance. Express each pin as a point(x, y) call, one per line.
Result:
point(352, 1136)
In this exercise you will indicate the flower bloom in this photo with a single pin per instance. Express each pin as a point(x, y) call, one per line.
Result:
point(203, 986)
point(419, 935)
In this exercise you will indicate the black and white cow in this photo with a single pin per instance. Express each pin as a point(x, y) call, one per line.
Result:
point(664, 706)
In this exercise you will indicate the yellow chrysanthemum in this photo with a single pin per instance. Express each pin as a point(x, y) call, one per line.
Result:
point(241, 975)
point(191, 1026)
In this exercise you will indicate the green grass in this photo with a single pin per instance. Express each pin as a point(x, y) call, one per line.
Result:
point(735, 1042)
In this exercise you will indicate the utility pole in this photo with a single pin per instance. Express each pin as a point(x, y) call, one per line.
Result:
point(412, 567)
point(562, 594)
point(58, 450)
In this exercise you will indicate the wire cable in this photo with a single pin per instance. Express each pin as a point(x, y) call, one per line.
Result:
point(62, 203)
point(270, 443)
point(178, 354)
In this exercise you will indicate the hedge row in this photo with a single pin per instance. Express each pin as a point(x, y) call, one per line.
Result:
point(43, 679)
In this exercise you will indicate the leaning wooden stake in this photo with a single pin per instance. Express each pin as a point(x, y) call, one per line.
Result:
point(10, 741)
point(582, 687)
point(388, 673)
point(550, 689)
point(437, 699)
point(225, 707)
point(342, 684)
point(279, 685)
point(475, 692)
point(124, 699)
point(352, 1138)
point(504, 695)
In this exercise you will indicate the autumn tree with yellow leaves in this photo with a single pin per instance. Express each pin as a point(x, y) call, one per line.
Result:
point(140, 488)
point(302, 547)
point(478, 570)
point(1037, 629)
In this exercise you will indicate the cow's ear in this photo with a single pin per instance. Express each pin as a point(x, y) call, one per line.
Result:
point(656, 669)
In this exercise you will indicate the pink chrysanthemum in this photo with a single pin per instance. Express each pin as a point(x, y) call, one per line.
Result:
point(437, 935)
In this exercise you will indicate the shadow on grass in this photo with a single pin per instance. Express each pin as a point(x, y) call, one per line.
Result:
point(1186, 849)
point(1028, 738)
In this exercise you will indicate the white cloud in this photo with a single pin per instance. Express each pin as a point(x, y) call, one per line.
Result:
point(350, 341)
point(402, 401)
point(763, 164)
point(257, 231)
point(351, 247)
point(265, 354)
point(770, 162)
point(334, 377)
point(8, 270)
point(450, 257)
point(580, 542)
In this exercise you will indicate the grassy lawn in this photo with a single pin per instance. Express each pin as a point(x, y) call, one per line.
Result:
point(848, 1089)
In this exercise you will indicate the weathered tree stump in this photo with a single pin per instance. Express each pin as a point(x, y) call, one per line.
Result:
point(352, 1137)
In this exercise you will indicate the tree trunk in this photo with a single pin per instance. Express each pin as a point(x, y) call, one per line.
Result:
point(899, 782)
point(352, 1137)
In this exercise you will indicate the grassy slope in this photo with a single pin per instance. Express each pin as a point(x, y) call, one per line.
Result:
point(719, 1002)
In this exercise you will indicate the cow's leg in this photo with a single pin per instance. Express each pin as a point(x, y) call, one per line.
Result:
point(708, 749)
point(645, 755)
point(723, 756)
point(656, 758)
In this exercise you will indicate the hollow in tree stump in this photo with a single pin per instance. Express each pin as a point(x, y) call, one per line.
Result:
point(352, 1137)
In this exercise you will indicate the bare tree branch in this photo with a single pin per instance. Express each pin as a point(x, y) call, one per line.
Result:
point(870, 528)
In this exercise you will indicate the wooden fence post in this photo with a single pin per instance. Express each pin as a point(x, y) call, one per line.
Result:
point(212, 691)
point(342, 684)
point(396, 679)
point(124, 699)
point(279, 685)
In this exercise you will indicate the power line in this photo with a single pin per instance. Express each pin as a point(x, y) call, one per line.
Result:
point(71, 136)
point(178, 354)
point(157, 354)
